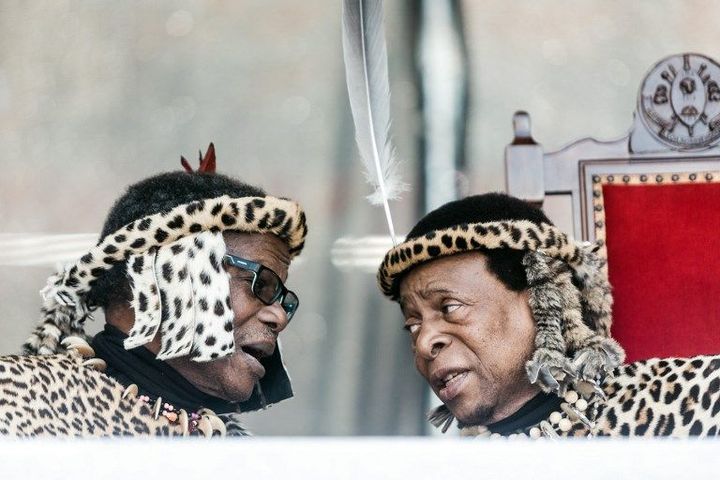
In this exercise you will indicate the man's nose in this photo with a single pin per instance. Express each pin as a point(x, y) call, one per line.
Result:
point(431, 341)
point(274, 316)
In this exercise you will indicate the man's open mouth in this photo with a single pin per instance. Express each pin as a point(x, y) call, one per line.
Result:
point(445, 376)
point(448, 382)
point(450, 378)
point(259, 350)
point(253, 352)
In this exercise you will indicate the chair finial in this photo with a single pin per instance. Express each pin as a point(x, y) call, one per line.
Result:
point(521, 128)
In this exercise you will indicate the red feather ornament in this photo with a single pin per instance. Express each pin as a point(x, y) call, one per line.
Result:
point(207, 163)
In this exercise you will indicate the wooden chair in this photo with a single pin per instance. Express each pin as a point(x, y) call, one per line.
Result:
point(652, 199)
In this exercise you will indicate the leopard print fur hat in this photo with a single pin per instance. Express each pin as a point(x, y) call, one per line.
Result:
point(569, 293)
point(173, 261)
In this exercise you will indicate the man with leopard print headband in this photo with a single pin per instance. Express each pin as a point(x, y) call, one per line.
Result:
point(189, 270)
point(510, 325)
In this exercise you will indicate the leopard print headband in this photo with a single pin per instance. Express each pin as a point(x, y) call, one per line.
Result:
point(179, 286)
point(569, 295)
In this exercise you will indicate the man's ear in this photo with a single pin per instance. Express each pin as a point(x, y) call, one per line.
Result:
point(523, 302)
point(121, 316)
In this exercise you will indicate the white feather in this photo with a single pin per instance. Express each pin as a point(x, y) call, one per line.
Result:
point(366, 72)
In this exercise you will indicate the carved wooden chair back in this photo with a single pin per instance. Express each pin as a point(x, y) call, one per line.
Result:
point(652, 200)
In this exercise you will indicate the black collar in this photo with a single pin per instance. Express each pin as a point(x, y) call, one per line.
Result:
point(153, 377)
point(533, 412)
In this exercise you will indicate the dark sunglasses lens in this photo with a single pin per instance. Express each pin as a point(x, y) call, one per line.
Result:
point(290, 304)
point(267, 286)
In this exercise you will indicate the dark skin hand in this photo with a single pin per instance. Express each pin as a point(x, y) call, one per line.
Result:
point(471, 337)
point(233, 377)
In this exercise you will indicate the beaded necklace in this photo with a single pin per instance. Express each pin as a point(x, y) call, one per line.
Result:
point(575, 413)
point(202, 422)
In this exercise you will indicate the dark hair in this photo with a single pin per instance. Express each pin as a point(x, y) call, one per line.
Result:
point(154, 195)
point(504, 263)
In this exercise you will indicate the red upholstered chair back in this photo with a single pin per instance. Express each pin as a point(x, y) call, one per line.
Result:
point(663, 251)
point(652, 199)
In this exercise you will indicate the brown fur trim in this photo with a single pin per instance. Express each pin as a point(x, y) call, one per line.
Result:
point(567, 349)
point(590, 274)
point(554, 303)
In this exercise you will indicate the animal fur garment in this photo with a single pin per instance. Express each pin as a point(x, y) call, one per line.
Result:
point(66, 395)
point(183, 290)
point(669, 397)
point(156, 249)
point(567, 350)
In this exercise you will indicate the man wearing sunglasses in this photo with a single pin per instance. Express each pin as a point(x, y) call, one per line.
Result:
point(190, 272)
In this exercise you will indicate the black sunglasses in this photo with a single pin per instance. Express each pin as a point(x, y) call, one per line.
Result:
point(266, 284)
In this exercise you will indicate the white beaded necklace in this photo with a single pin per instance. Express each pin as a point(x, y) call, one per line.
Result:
point(573, 411)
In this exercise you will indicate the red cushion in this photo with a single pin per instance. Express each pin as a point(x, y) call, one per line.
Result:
point(663, 244)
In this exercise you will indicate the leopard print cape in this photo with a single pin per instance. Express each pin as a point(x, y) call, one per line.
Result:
point(68, 395)
point(671, 397)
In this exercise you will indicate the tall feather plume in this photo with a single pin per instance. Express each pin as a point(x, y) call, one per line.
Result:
point(366, 71)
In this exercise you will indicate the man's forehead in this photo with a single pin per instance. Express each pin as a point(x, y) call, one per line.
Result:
point(427, 292)
point(427, 289)
point(446, 275)
point(442, 271)
point(425, 284)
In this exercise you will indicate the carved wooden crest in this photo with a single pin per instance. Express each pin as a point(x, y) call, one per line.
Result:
point(679, 101)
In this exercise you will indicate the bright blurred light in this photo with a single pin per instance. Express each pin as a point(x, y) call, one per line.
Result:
point(360, 253)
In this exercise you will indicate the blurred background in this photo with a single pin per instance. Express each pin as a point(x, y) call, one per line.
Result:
point(96, 95)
